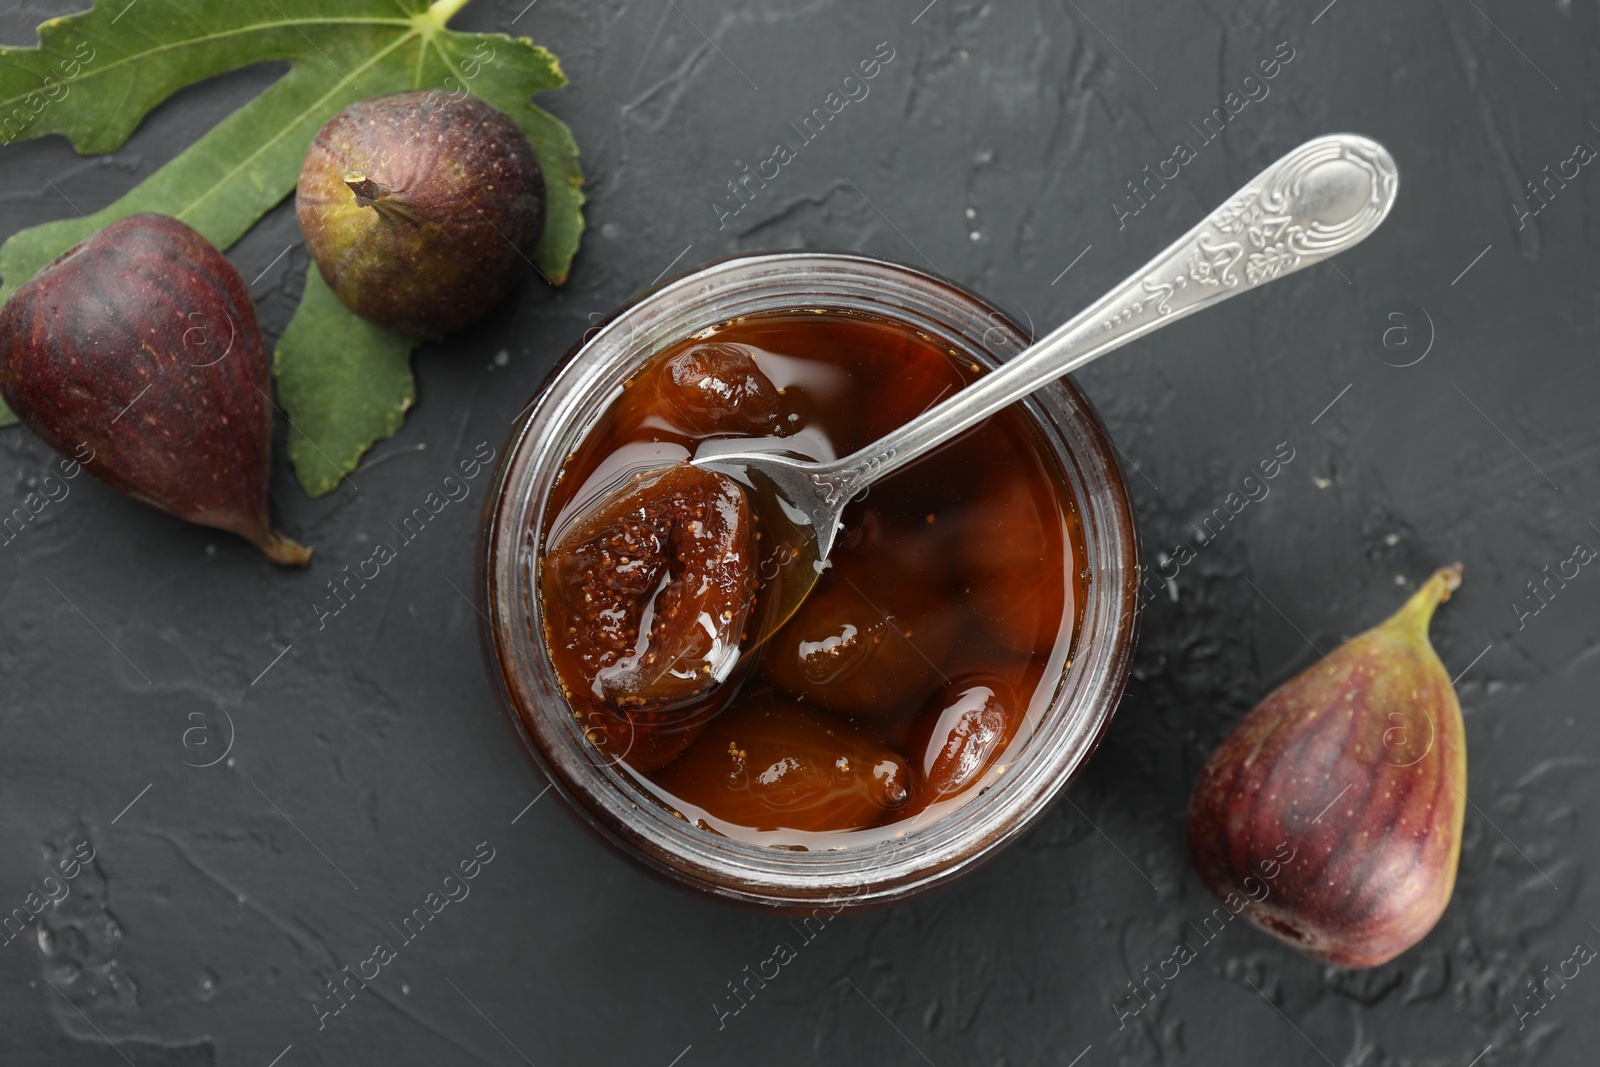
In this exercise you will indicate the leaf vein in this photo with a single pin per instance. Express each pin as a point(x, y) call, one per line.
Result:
point(285, 130)
point(192, 42)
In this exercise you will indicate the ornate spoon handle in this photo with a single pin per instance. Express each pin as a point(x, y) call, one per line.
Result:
point(1320, 199)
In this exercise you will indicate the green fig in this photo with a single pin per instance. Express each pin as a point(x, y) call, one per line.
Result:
point(421, 209)
point(1340, 797)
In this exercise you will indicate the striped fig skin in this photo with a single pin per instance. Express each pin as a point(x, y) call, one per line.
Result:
point(1356, 769)
point(421, 209)
point(136, 352)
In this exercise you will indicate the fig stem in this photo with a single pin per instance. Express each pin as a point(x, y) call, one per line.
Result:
point(368, 192)
point(1417, 612)
point(442, 11)
point(282, 550)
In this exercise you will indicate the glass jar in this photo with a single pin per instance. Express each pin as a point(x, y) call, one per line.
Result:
point(896, 862)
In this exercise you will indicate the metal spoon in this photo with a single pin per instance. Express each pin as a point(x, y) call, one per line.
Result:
point(1320, 199)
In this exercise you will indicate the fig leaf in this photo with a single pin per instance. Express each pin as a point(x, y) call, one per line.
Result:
point(344, 383)
point(95, 75)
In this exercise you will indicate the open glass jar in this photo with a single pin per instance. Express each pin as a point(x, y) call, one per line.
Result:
point(900, 859)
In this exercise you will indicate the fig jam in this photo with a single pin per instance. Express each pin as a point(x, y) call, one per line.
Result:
point(943, 620)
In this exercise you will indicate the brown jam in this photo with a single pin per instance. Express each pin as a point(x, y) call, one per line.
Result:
point(944, 619)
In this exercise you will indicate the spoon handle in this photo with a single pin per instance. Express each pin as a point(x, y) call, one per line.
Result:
point(1320, 199)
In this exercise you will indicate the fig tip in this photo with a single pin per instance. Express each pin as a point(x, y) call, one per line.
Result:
point(285, 552)
point(1417, 612)
point(1452, 579)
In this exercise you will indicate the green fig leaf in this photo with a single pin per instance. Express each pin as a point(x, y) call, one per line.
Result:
point(344, 383)
point(95, 75)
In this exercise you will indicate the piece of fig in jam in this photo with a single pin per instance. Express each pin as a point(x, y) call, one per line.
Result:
point(646, 595)
point(1007, 543)
point(872, 635)
point(959, 740)
point(863, 647)
point(770, 765)
point(715, 388)
point(643, 738)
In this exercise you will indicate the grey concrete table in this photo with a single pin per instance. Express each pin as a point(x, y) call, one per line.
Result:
point(1436, 389)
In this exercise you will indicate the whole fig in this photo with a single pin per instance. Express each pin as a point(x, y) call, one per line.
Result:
point(137, 353)
point(422, 210)
point(1340, 797)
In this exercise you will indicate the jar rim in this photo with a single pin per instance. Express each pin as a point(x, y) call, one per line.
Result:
point(898, 862)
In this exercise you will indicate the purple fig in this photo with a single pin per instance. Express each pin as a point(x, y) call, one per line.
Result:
point(136, 352)
point(422, 210)
point(1340, 798)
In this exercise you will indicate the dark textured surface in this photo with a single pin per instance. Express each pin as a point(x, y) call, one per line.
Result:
point(992, 146)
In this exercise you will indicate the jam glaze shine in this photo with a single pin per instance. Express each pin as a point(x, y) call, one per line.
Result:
point(940, 625)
